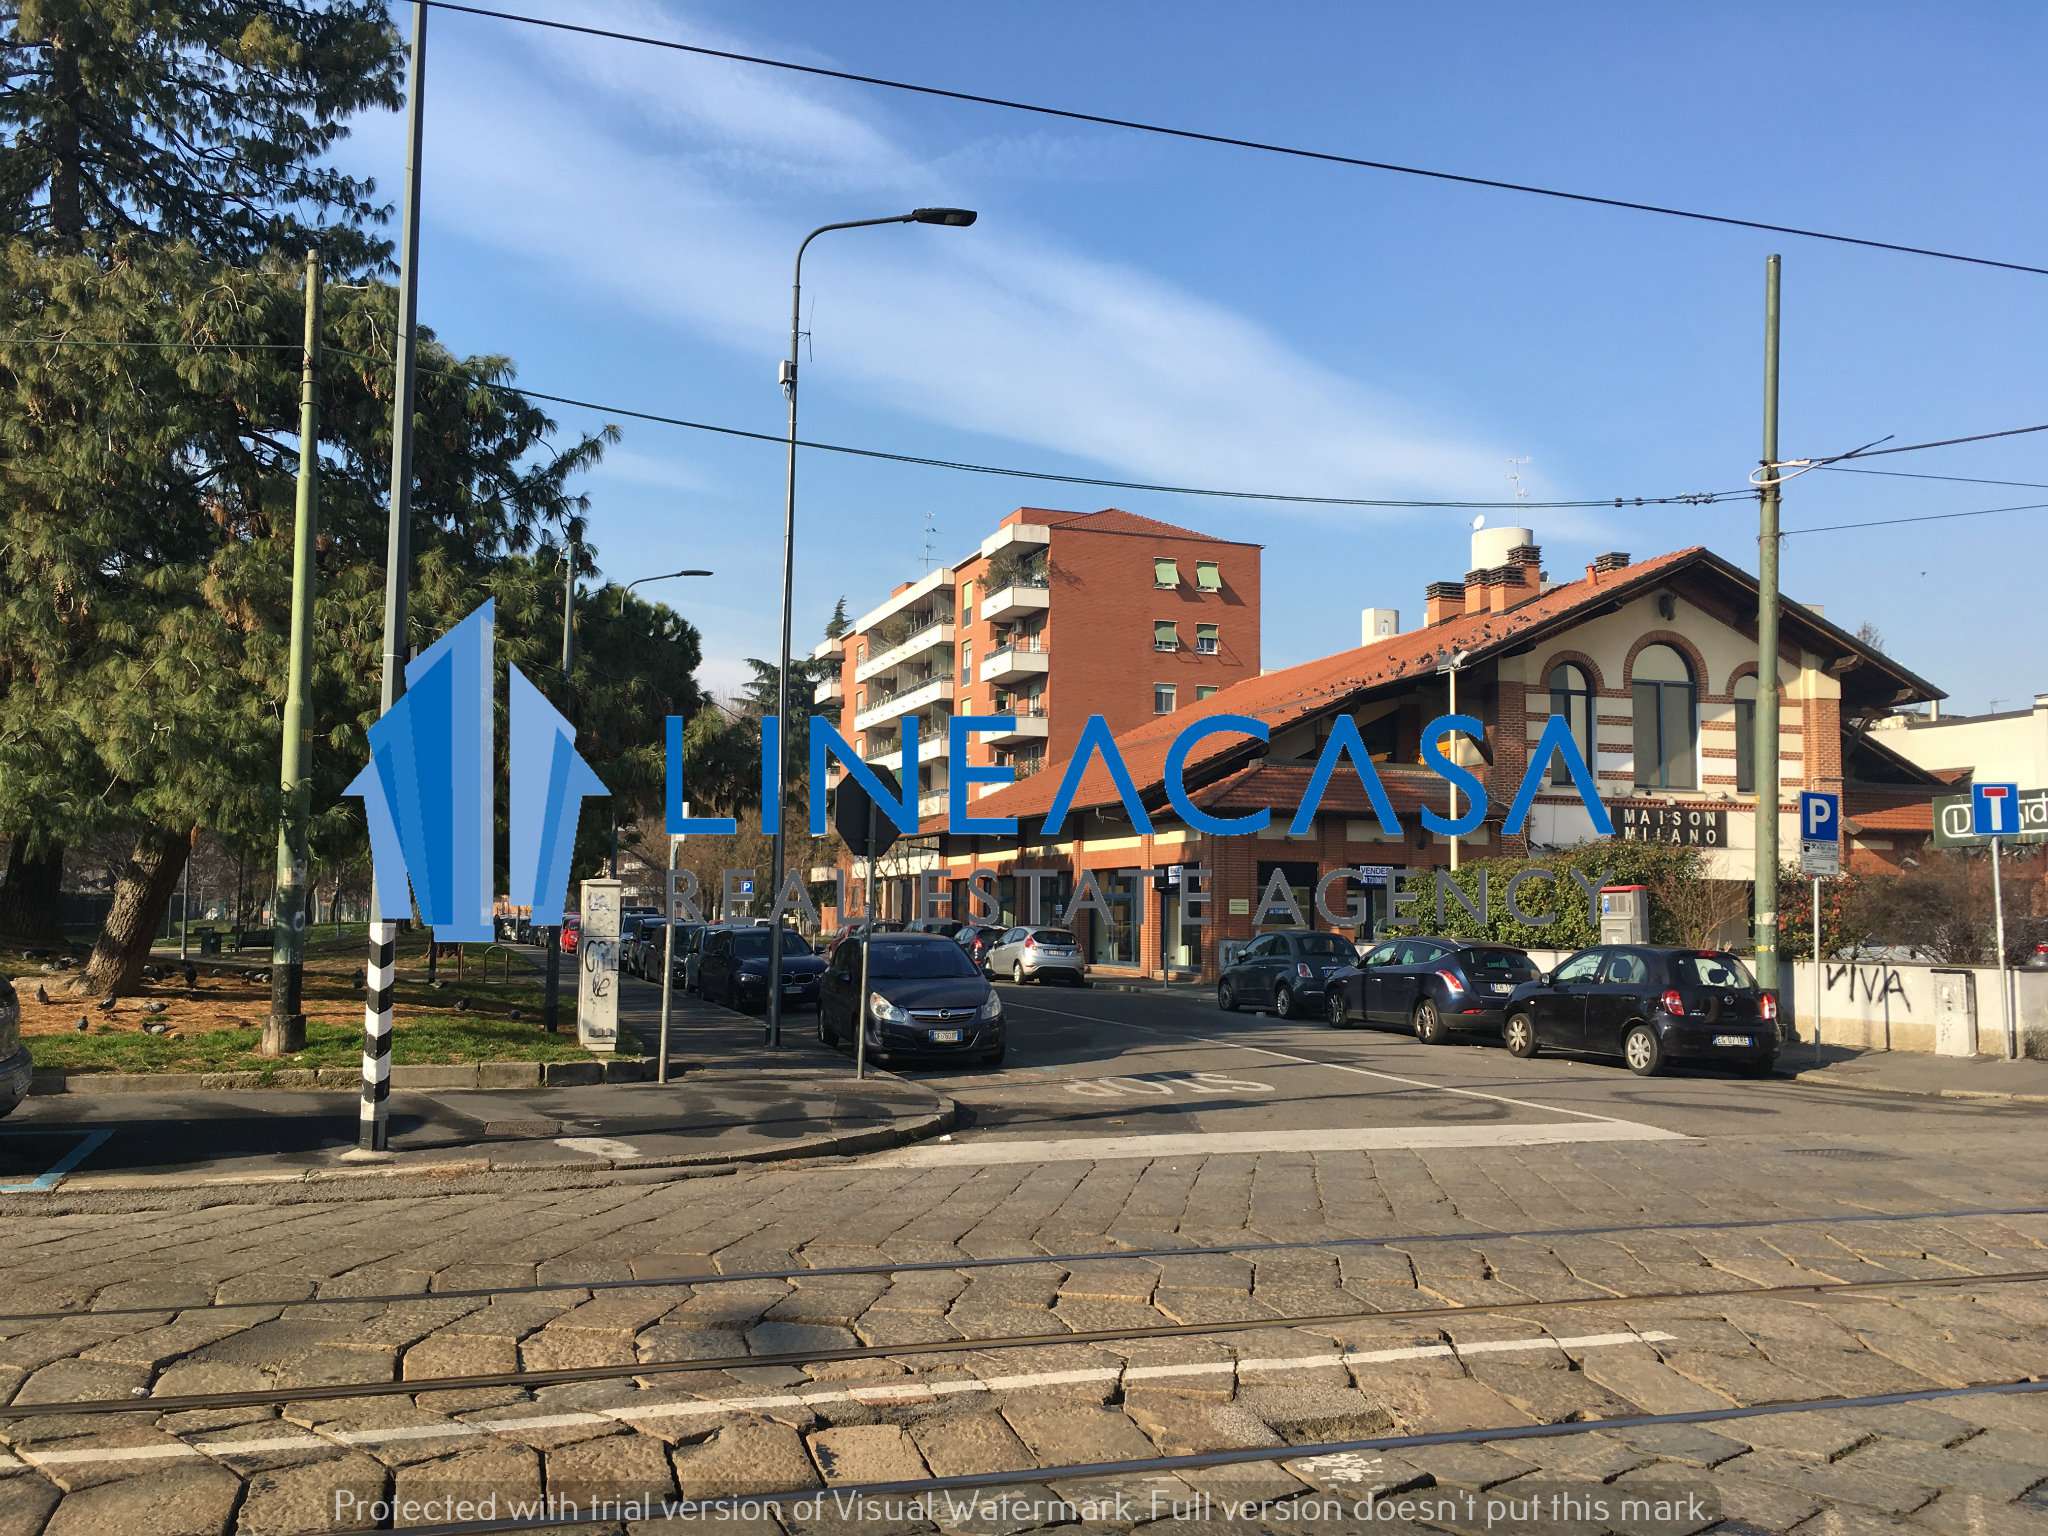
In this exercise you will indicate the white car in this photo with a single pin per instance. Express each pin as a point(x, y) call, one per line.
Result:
point(1037, 954)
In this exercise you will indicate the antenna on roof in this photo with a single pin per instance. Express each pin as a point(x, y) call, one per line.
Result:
point(931, 529)
point(1479, 522)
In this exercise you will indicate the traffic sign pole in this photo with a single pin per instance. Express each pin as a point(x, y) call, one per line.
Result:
point(2012, 1041)
point(867, 939)
point(1819, 981)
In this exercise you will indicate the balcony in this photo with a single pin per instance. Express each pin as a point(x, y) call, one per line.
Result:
point(933, 804)
point(920, 695)
point(1030, 723)
point(1020, 658)
point(938, 633)
point(1028, 595)
point(1015, 535)
point(931, 745)
point(831, 691)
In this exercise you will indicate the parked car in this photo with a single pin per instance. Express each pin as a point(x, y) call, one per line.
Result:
point(1287, 972)
point(977, 939)
point(1037, 954)
point(1648, 1005)
point(926, 1000)
point(945, 927)
point(734, 969)
point(1435, 987)
point(15, 1068)
point(572, 930)
point(855, 930)
point(692, 960)
point(629, 943)
point(649, 942)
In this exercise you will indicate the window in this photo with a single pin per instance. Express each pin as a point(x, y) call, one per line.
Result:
point(966, 602)
point(1165, 573)
point(1165, 635)
point(966, 661)
point(1626, 969)
point(1571, 697)
point(860, 699)
point(1163, 698)
point(1208, 639)
point(1667, 720)
point(863, 656)
point(1580, 967)
point(1204, 691)
point(1745, 735)
point(1208, 576)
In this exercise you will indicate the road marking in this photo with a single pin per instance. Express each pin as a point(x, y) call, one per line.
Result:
point(1338, 1066)
point(598, 1146)
point(883, 1392)
point(88, 1143)
point(1388, 1138)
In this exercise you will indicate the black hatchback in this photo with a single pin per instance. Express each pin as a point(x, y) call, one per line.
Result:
point(1286, 972)
point(733, 969)
point(1436, 987)
point(925, 1000)
point(1648, 1005)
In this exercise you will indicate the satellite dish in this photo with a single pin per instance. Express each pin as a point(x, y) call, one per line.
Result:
point(1479, 522)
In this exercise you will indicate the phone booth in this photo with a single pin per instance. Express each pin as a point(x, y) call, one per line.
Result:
point(1624, 914)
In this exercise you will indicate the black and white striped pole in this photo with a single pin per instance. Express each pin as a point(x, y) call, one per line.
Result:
point(374, 1132)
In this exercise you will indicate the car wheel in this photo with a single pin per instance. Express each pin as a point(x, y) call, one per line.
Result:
point(825, 1037)
point(1283, 1001)
point(1519, 1035)
point(1017, 972)
point(1226, 997)
point(1339, 1014)
point(1429, 1024)
point(1642, 1050)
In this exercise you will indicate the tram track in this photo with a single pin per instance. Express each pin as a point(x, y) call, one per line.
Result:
point(1066, 1259)
point(561, 1376)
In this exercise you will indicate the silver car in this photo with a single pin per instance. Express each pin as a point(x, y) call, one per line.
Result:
point(1037, 954)
point(15, 1070)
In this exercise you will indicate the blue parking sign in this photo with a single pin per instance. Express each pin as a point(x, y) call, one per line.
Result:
point(1820, 817)
point(1994, 810)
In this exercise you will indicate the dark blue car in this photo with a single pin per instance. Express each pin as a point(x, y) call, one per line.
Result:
point(734, 969)
point(1436, 987)
point(1285, 972)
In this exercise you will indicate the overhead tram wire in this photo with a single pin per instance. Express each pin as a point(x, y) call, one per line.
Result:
point(1232, 141)
point(1922, 517)
point(1910, 474)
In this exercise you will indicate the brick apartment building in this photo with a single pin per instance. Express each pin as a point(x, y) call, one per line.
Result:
point(1055, 617)
point(1652, 663)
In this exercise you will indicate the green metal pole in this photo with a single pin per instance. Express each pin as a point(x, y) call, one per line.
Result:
point(1766, 745)
point(284, 1032)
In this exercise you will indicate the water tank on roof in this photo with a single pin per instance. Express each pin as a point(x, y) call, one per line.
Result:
point(1490, 546)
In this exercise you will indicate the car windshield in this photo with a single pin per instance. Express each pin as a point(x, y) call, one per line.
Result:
point(1053, 936)
point(918, 962)
point(1327, 946)
point(752, 944)
point(1500, 964)
point(1715, 970)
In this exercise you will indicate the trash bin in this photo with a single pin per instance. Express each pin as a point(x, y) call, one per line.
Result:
point(209, 943)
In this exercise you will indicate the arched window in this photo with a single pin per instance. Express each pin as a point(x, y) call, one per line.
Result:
point(1745, 735)
point(1667, 720)
point(1571, 695)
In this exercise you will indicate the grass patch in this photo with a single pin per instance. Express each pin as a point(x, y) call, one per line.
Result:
point(422, 1040)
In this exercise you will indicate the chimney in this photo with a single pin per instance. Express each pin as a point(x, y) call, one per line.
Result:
point(1475, 591)
point(1525, 574)
point(1613, 560)
point(1503, 588)
point(1376, 624)
point(1442, 600)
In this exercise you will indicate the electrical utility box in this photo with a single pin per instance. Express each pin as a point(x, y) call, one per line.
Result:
point(1624, 914)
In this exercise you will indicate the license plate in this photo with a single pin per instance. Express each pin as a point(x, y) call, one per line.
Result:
point(792, 986)
point(945, 1037)
point(1501, 986)
point(1733, 1040)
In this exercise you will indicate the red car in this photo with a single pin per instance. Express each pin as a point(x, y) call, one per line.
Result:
point(572, 929)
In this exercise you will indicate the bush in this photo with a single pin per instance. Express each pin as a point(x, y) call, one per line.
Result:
point(1671, 873)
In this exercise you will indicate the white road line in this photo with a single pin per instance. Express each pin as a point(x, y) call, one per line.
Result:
point(1338, 1066)
point(1384, 1138)
point(883, 1392)
point(598, 1146)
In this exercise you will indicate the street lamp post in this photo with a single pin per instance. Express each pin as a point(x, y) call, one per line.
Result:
point(639, 581)
point(954, 218)
point(1450, 670)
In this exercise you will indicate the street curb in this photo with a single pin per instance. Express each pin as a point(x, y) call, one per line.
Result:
point(1821, 1079)
point(482, 1076)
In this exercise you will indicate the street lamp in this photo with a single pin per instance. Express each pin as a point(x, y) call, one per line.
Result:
point(952, 218)
point(1449, 668)
point(640, 581)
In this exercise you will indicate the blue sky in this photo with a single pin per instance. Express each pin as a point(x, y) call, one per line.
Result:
point(621, 220)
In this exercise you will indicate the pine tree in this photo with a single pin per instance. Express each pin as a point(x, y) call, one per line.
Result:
point(837, 626)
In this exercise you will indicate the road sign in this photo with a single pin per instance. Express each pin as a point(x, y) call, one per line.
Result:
point(851, 818)
point(1995, 810)
point(1820, 833)
point(747, 886)
point(1952, 819)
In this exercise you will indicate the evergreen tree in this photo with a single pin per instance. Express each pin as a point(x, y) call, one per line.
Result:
point(837, 626)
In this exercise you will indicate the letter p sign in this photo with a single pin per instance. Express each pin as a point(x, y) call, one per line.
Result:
point(1820, 818)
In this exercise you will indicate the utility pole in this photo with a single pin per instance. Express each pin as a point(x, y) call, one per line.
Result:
point(373, 1125)
point(551, 1003)
point(284, 1032)
point(1766, 745)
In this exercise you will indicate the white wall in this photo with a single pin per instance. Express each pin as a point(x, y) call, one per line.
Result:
point(1898, 1006)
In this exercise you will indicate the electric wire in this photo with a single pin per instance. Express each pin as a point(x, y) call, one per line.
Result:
point(1232, 141)
point(1922, 517)
point(1914, 474)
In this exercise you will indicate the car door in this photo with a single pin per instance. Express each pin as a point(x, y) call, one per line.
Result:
point(1365, 998)
point(836, 992)
point(1257, 967)
point(1402, 984)
point(1561, 1007)
point(712, 977)
point(1615, 1000)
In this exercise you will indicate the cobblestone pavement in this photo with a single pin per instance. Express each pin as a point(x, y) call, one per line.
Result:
point(1533, 1322)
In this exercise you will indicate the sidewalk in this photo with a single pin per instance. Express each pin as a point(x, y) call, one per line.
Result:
point(1911, 1072)
point(729, 1099)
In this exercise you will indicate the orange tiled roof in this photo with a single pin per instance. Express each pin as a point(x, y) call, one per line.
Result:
point(1116, 520)
point(1292, 694)
point(1282, 785)
point(1889, 810)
